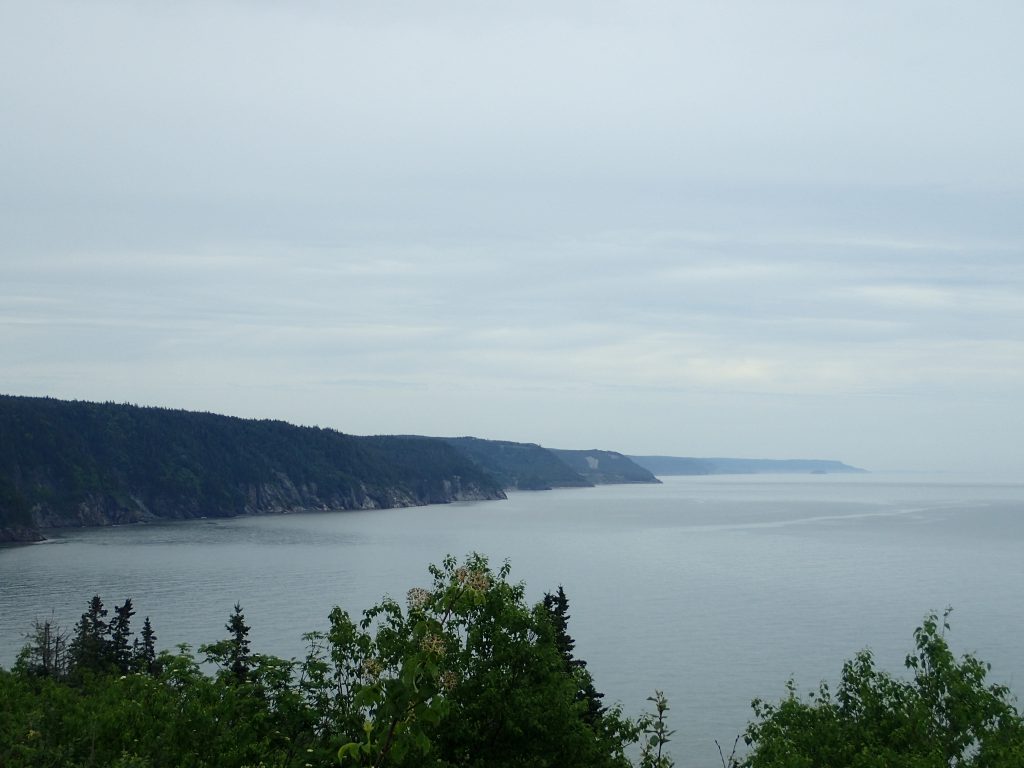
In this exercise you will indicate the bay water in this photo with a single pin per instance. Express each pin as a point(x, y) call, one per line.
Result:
point(714, 589)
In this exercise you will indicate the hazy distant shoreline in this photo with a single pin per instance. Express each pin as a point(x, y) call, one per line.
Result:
point(71, 464)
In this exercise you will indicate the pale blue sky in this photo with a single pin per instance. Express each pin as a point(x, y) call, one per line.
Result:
point(788, 229)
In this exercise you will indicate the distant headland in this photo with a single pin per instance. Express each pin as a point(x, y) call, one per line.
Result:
point(677, 465)
point(74, 463)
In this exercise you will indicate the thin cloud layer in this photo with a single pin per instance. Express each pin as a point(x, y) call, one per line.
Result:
point(739, 229)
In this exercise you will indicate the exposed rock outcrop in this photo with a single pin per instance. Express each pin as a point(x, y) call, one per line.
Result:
point(72, 464)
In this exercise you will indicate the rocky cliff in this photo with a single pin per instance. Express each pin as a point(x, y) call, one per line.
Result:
point(66, 464)
point(604, 467)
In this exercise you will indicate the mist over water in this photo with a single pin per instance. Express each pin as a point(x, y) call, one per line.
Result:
point(714, 589)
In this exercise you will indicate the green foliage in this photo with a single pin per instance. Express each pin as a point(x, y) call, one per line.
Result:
point(557, 606)
point(466, 674)
point(144, 650)
point(525, 466)
point(234, 654)
point(181, 718)
point(654, 734)
point(119, 650)
point(605, 467)
point(46, 654)
point(470, 675)
point(91, 648)
point(944, 715)
point(78, 463)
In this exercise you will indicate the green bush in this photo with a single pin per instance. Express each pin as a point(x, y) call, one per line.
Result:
point(466, 674)
point(943, 715)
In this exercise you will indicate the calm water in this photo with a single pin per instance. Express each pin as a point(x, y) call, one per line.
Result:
point(714, 589)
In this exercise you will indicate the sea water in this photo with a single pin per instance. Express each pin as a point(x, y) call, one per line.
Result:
point(714, 589)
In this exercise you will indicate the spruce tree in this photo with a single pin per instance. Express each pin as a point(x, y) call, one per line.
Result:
point(89, 648)
point(144, 655)
point(120, 650)
point(239, 656)
point(557, 606)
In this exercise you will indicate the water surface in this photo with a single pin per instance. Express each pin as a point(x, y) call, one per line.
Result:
point(715, 589)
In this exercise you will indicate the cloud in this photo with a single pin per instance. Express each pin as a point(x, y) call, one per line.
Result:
point(664, 214)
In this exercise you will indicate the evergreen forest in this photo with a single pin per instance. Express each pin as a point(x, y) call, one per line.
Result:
point(72, 463)
point(65, 464)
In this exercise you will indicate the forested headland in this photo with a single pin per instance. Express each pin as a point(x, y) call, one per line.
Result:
point(71, 463)
point(77, 463)
point(463, 674)
point(531, 467)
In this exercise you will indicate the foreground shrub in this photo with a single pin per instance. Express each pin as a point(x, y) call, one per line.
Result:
point(943, 715)
point(465, 674)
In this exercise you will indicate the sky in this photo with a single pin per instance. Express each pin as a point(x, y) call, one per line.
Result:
point(714, 228)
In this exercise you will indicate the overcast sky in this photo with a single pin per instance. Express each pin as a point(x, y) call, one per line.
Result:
point(788, 229)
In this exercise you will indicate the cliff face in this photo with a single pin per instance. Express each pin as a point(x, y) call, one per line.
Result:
point(278, 497)
point(69, 464)
point(520, 466)
point(284, 496)
point(605, 467)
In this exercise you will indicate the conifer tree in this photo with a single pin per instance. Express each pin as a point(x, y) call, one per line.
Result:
point(239, 655)
point(144, 656)
point(120, 652)
point(557, 606)
point(92, 636)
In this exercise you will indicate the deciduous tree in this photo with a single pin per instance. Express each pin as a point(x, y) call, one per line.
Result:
point(944, 715)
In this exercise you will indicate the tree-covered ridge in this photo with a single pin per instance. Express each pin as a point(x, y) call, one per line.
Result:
point(605, 467)
point(520, 466)
point(531, 467)
point(77, 463)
